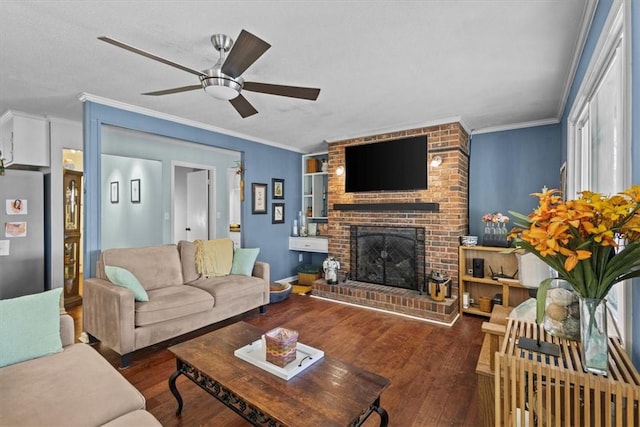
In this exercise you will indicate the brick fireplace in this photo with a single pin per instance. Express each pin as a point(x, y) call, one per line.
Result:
point(441, 210)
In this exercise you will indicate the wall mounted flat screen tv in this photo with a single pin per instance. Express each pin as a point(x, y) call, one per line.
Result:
point(395, 165)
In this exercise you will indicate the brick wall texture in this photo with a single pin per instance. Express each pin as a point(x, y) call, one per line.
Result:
point(447, 185)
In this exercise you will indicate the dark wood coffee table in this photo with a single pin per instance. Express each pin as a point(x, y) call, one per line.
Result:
point(328, 393)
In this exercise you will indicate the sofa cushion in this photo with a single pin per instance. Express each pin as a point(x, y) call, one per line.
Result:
point(188, 259)
point(244, 260)
point(234, 284)
point(154, 266)
point(123, 277)
point(30, 327)
point(72, 388)
point(172, 302)
point(214, 257)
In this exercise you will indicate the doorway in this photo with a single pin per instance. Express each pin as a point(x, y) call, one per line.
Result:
point(193, 202)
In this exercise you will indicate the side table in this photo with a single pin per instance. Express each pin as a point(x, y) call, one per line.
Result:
point(536, 389)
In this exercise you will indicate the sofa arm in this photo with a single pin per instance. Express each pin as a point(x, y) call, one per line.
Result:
point(261, 269)
point(108, 314)
point(66, 330)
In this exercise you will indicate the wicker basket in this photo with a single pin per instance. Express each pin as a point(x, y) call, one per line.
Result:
point(281, 346)
point(307, 278)
point(485, 304)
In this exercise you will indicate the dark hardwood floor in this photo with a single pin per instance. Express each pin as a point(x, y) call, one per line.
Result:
point(431, 367)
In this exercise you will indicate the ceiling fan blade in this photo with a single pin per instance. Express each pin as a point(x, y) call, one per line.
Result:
point(290, 91)
point(245, 51)
point(243, 106)
point(174, 90)
point(150, 55)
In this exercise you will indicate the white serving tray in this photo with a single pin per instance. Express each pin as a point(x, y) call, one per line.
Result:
point(255, 354)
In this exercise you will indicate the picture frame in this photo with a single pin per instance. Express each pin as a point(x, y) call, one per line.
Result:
point(114, 193)
point(277, 213)
point(277, 188)
point(258, 198)
point(135, 191)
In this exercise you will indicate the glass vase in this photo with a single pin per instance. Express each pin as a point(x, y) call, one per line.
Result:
point(593, 332)
point(562, 311)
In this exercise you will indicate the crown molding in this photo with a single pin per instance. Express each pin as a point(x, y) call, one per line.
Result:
point(84, 96)
point(588, 13)
point(514, 126)
point(430, 123)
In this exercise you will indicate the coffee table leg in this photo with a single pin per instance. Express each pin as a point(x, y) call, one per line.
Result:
point(374, 407)
point(174, 390)
point(384, 417)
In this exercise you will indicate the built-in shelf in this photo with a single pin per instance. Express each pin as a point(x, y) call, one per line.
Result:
point(429, 207)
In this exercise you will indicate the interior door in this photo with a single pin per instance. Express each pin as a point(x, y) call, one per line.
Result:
point(198, 205)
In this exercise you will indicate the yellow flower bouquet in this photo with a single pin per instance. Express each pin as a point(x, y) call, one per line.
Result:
point(593, 242)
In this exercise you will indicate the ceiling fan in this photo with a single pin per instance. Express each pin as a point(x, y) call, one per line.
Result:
point(223, 80)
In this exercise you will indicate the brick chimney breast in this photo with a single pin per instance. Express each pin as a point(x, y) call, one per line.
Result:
point(447, 186)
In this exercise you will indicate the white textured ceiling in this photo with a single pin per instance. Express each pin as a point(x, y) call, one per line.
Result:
point(381, 65)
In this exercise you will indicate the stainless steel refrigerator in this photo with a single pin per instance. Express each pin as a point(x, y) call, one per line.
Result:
point(22, 256)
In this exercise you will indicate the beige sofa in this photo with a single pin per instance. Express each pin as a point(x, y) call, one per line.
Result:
point(180, 301)
point(75, 387)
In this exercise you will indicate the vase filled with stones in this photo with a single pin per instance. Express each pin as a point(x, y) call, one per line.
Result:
point(562, 311)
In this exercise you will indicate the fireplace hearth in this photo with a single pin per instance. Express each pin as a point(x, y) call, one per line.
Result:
point(390, 256)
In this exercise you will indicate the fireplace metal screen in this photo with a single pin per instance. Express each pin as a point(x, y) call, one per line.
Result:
point(392, 256)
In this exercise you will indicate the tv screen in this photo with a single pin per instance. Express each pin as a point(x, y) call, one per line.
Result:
point(395, 165)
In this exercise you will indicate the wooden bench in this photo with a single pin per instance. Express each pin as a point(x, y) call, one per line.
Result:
point(494, 330)
point(534, 389)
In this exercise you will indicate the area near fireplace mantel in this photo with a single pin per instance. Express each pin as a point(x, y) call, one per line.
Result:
point(441, 209)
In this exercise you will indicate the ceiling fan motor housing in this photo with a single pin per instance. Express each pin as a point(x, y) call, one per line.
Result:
point(221, 86)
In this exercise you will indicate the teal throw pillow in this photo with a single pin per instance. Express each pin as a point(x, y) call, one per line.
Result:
point(243, 260)
point(123, 277)
point(30, 327)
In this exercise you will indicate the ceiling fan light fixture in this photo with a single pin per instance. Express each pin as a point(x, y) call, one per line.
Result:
point(221, 88)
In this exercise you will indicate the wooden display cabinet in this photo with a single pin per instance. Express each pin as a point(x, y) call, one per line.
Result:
point(72, 193)
point(513, 293)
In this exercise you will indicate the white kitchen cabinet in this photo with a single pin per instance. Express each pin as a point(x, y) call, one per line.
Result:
point(24, 139)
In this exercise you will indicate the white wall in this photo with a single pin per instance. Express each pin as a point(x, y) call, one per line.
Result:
point(126, 224)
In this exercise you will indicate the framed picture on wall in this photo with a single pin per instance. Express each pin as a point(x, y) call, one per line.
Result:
point(135, 191)
point(277, 187)
point(114, 195)
point(277, 213)
point(258, 198)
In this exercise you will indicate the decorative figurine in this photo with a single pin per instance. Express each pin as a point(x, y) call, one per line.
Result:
point(331, 267)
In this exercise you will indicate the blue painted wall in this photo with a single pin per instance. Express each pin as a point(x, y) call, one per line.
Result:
point(506, 167)
point(262, 162)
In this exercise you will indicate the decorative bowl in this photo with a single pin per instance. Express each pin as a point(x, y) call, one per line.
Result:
point(469, 240)
point(279, 292)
